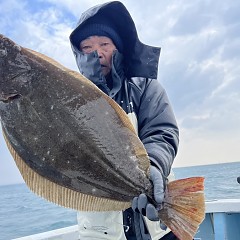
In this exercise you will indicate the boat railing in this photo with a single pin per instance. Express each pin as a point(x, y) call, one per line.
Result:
point(221, 222)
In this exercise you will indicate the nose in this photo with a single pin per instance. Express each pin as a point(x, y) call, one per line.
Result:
point(99, 50)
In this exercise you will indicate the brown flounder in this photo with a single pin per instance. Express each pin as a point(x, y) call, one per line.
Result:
point(76, 147)
point(67, 131)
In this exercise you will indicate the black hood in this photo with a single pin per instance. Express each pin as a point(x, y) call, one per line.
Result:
point(140, 60)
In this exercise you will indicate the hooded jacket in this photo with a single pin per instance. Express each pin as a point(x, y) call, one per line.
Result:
point(134, 86)
point(134, 83)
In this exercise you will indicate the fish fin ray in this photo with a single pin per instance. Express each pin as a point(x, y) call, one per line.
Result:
point(184, 207)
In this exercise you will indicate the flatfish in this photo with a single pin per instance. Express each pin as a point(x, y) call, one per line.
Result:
point(74, 145)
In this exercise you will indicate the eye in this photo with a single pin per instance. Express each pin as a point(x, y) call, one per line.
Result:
point(86, 47)
point(105, 44)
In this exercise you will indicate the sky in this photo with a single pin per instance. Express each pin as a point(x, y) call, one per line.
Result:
point(199, 65)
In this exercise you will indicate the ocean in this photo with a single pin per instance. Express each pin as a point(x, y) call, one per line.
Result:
point(23, 213)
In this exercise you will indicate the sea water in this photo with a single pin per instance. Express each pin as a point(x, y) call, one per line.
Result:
point(23, 213)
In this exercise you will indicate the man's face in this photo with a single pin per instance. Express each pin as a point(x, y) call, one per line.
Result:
point(104, 47)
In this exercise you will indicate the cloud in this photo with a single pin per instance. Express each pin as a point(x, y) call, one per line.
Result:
point(44, 29)
point(199, 63)
point(73, 7)
point(192, 19)
point(202, 148)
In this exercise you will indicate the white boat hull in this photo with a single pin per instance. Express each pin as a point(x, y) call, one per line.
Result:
point(222, 222)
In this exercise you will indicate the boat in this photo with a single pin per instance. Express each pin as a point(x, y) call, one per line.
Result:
point(222, 222)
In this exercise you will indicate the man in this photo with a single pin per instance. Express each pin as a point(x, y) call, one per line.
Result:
point(109, 53)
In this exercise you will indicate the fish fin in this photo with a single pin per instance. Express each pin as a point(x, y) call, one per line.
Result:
point(61, 195)
point(46, 58)
point(184, 207)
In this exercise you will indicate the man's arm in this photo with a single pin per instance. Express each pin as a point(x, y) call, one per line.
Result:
point(159, 133)
point(157, 126)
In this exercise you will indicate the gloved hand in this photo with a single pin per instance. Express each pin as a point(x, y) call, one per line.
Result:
point(141, 203)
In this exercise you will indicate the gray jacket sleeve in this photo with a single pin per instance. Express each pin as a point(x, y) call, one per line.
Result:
point(157, 126)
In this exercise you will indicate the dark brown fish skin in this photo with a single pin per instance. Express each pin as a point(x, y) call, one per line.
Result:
point(65, 129)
